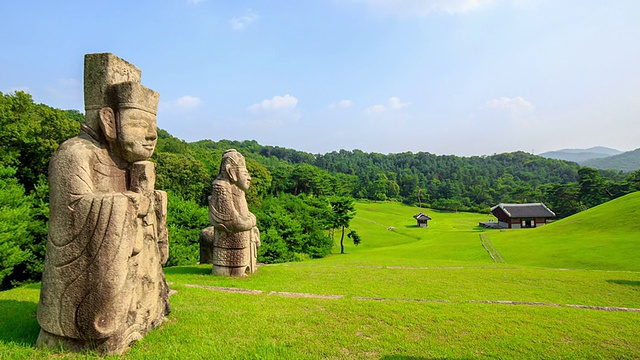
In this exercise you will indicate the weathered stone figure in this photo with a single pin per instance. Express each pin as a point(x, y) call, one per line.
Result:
point(206, 245)
point(233, 249)
point(103, 285)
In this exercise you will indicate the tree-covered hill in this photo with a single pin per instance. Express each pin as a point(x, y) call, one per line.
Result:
point(291, 191)
point(581, 155)
point(446, 182)
point(627, 161)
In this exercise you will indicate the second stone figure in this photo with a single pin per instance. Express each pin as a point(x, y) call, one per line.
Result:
point(232, 242)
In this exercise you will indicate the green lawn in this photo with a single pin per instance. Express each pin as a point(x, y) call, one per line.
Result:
point(405, 293)
point(605, 237)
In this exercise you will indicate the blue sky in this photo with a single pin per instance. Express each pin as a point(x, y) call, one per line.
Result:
point(464, 77)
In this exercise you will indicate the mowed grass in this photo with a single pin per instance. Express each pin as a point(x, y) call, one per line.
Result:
point(605, 237)
point(404, 293)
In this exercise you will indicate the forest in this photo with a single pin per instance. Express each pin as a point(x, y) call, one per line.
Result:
point(303, 202)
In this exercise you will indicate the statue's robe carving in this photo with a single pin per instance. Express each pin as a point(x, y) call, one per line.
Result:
point(235, 239)
point(102, 276)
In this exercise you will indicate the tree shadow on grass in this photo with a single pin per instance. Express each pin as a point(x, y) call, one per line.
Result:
point(625, 282)
point(188, 270)
point(18, 323)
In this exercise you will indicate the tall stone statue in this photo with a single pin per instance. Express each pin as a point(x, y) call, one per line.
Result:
point(103, 285)
point(233, 247)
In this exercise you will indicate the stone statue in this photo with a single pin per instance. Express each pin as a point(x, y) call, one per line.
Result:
point(233, 247)
point(103, 285)
point(206, 245)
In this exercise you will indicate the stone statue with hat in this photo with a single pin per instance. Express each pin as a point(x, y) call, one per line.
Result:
point(103, 285)
point(232, 242)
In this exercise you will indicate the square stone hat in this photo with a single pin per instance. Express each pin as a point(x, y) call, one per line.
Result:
point(132, 95)
point(103, 71)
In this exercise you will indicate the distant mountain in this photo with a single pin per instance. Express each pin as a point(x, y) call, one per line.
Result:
point(627, 161)
point(581, 155)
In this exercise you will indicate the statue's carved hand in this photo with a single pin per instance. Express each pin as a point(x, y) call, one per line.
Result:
point(143, 176)
point(142, 202)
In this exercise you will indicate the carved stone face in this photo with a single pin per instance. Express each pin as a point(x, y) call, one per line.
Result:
point(137, 134)
point(243, 179)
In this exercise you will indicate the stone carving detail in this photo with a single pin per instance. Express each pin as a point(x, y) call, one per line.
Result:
point(103, 285)
point(232, 245)
point(206, 245)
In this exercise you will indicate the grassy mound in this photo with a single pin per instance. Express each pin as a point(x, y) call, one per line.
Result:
point(605, 237)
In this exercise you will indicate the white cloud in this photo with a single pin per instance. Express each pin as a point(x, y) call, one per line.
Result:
point(423, 7)
point(395, 103)
point(343, 104)
point(186, 102)
point(516, 105)
point(240, 23)
point(277, 103)
point(194, 2)
point(519, 109)
point(378, 108)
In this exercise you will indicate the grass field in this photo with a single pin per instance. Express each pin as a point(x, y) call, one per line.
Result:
point(569, 290)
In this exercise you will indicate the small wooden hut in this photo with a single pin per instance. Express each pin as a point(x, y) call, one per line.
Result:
point(422, 219)
point(516, 216)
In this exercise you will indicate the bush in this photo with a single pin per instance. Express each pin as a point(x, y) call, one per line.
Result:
point(185, 220)
point(21, 231)
point(293, 228)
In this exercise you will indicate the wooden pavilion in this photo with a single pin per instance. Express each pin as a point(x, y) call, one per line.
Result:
point(422, 219)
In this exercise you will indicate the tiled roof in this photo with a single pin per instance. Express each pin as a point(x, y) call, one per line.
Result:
point(421, 216)
point(539, 210)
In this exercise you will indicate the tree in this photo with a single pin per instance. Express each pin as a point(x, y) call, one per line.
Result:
point(379, 187)
point(310, 180)
point(30, 133)
point(185, 220)
point(184, 175)
point(353, 235)
point(593, 188)
point(343, 211)
point(260, 182)
point(393, 189)
point(564, 199)
point(19, 227)
point(634, 180)
point(293, 228)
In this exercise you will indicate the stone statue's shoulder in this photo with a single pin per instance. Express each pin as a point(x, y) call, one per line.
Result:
point(220, 187)
point(76, 153)
point(78, 145)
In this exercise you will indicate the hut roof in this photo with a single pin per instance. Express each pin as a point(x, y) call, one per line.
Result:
point(421, 216)
point(532, 210)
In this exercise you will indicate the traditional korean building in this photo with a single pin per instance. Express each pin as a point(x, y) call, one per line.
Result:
point(422, 219)
point(516, 216)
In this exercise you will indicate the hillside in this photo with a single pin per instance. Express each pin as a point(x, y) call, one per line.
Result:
point(599, 157)
point(282, 180)
point(581, 155)
point(605, 237)
point(404, 293)
point(627, 161)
